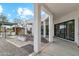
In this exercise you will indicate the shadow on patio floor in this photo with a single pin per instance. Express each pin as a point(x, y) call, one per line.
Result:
point(29, 48)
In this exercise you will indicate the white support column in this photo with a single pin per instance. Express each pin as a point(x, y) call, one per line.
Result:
point(15, 29)
point(37, 28)
point(32, 29)
point(51, 28)
point(77, 31)
point(26, 30)
point(44, 28)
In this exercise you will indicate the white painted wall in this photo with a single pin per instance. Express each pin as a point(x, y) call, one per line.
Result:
point(70, 16)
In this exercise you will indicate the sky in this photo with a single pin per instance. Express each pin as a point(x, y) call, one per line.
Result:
point(18, 10)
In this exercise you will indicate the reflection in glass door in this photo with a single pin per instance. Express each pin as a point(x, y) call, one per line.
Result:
point(62, 30)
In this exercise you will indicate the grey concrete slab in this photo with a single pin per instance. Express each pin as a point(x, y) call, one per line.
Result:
point(60, 48)
point(8, 49)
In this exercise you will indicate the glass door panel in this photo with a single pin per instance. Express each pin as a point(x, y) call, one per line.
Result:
point(61, 29)
point(69, 30)
point(56, 29)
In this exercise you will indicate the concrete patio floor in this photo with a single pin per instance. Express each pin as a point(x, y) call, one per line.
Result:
point(60, 48)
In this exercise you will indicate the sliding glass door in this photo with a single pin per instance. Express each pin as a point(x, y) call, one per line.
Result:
point(65, 30)
point(62, 30)
point(56, 30)
point(70, 30)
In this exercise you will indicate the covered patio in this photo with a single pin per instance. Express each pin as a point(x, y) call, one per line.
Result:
point(57, 14)
point(48, 44)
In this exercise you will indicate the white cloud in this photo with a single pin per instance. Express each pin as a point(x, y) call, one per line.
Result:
point(19, 11)
point(24, 12)
point(1, 9)
point(22, 16)
point(27, 12)
point(9, 15)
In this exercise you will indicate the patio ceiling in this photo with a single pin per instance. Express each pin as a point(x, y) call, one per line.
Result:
point(61, 9)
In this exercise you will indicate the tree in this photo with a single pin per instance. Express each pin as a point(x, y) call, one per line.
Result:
point(3, 18)
point(18, 21)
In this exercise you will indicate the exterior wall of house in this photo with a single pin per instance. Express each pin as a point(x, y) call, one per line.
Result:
point(70, 16)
